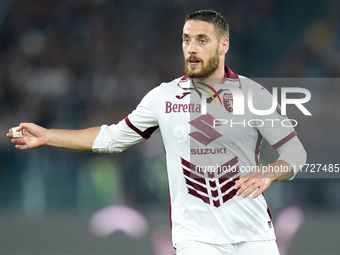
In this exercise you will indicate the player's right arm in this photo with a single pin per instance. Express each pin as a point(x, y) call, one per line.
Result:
point(136, 127)
point(35, 136)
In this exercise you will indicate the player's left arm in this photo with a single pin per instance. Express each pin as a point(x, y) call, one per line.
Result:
point(292, 158)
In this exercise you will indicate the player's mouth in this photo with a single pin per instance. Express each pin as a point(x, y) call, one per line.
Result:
point(193, 62)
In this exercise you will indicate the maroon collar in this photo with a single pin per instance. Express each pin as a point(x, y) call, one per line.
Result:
point(230, 74)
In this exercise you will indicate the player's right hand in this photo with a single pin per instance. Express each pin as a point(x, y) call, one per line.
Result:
point(34, 136)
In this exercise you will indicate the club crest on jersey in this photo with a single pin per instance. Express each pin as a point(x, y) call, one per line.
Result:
point(228, 102)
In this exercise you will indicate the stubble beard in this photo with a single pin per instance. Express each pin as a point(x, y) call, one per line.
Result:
point(206, 70)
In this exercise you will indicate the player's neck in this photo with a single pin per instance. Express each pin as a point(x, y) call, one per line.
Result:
point(216, 78)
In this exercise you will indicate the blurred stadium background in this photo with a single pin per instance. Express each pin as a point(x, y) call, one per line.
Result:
point(79, 63)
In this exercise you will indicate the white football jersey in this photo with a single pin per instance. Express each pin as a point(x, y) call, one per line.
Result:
point(205, 153)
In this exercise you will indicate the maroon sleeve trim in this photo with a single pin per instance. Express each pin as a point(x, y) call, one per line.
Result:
point(284, 140)
point(258, 147)
point(146, 134)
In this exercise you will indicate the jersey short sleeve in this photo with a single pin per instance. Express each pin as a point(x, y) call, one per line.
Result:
point(137, 126)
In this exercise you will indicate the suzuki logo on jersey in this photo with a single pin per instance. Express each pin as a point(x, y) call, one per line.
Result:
point(214, 188)
point(205, 124)
point(208, 151)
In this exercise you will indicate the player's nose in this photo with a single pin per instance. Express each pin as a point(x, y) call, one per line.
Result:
point(192, 48)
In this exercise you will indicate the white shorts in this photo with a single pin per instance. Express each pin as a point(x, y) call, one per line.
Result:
point(243, 248)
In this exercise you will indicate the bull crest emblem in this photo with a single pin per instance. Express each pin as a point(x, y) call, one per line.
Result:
point(228, 102)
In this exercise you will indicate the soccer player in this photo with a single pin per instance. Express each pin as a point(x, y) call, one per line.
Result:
point(216, 210)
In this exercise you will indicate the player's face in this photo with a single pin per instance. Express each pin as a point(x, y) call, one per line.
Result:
point(201, 49)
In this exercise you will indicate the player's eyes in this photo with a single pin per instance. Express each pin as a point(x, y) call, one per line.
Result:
point(201, 41)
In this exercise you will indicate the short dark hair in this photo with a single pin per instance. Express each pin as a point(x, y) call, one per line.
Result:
point(213, 17)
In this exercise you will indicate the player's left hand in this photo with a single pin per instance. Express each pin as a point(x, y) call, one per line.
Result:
point(260, 181)
point(247, 185)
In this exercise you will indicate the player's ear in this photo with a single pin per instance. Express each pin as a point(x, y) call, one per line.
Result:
point(224, 45)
